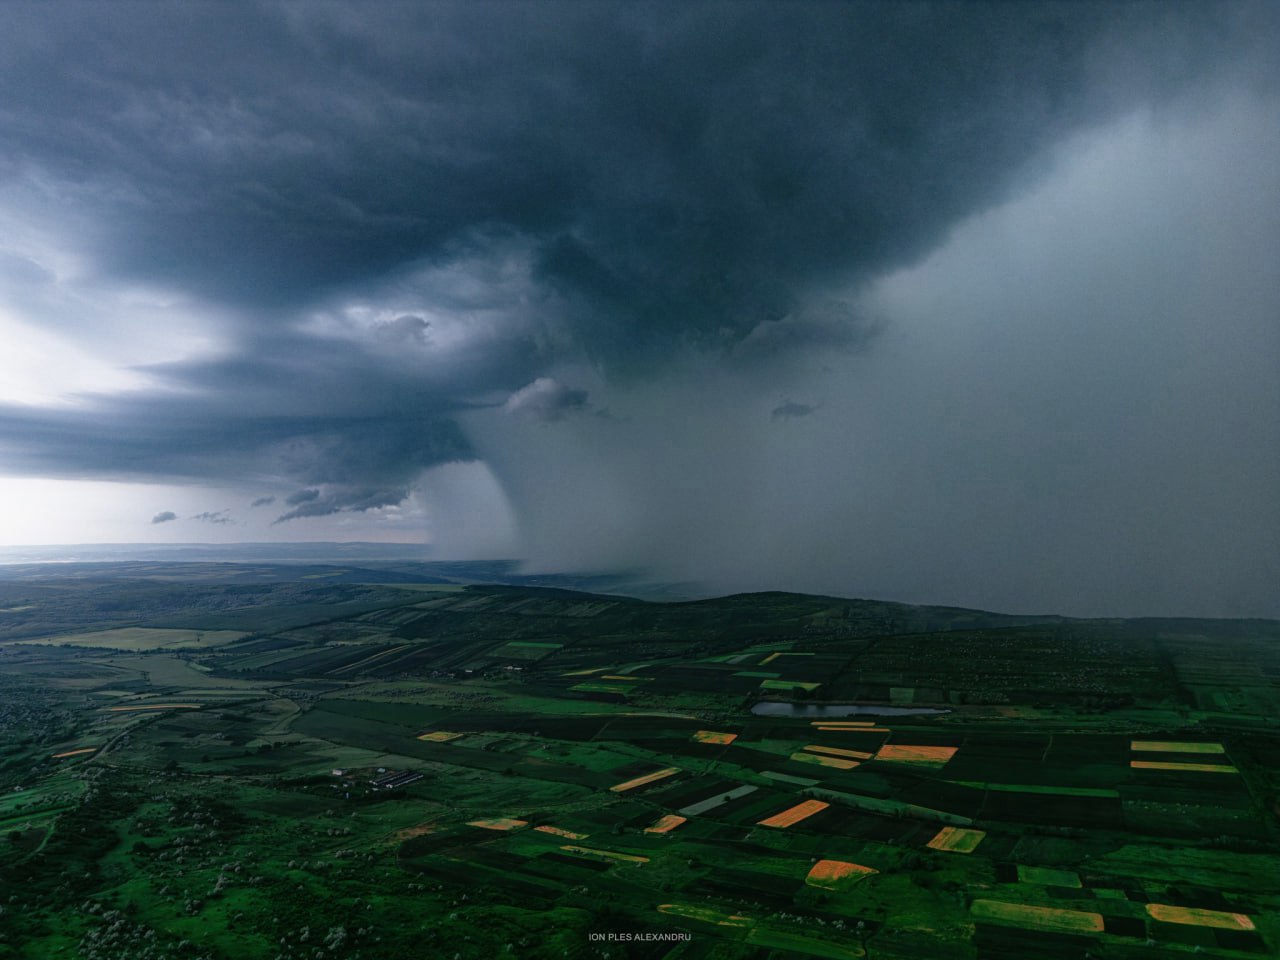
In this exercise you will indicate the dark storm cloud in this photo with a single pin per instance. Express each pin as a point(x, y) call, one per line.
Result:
point(546, 399)
point(386, 219)
point(789, 410)
point(164, 516)
point(346, 498)
point(217, 517)
point(302, 496)
point(263, 502)
point(297, 410)
point(683, 172)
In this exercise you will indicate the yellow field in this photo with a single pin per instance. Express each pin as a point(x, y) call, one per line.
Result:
point(156, 706)
point(713, 736)
point(1053, 919)
point(957, 839)
point(1174, 765)
point(641, 781)
point(839, 752)
point(73, 753)
point(666, 824)
point(439, 736)
point(607, 854)
point(705, 914)
point(558, 832)
point(498, 823)
point(831, 873)
point(1200, 918)
point(795, 814)
point(1175, 746)
point(912, 753)
point(834, 762)
point(145, 638)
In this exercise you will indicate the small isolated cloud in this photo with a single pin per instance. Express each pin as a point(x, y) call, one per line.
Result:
point(789, 410)
point(405, 329)
point(831, 326)
point(263, 501)
point(310, 503)
point(164, 516)
point(546, 399)
point(219, 516)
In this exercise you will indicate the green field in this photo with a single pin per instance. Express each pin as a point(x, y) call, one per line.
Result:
point(378, 771)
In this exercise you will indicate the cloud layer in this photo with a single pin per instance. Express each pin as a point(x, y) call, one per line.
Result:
point(319, 252)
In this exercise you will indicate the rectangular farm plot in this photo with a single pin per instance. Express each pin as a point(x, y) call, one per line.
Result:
point(644, 780)
point(665, 824)
point(155, 706)
point(604, 854)
point(789, 685)
point(836, 724)
point(793, 815)
point(1048, 876)
point(1219, 919)
point(439, 736)
point(1179, 766)
point(957, 839)
point(1052, 919)
point(713, 736)
point(719, 799)
point(498, 823)
point(835, 763)
point(915, 753)
point(1174, 746)
point(561, 832)
point(705, 914)
point(839, 752)
point(832, 874)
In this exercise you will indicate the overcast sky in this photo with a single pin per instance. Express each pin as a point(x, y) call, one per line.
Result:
point(940, 303)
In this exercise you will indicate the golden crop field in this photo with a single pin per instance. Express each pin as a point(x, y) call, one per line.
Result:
point(498, 823)
point(713, 736)
point(559, 832)
point(439, 736)
point(957, 839)
point(606, 854)
point(835, 763)
point(831, 873)
point(1199, 917)
point(647, 778)
point(793, 815)
point(73, 753)
point(1054, 919)
point(914, 753)
point(666, 824)
point(1175, 746)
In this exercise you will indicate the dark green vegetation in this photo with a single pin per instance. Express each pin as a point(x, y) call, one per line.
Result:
point(214, 760)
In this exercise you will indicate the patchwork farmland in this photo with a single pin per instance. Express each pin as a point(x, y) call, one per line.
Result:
point(417, 769)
